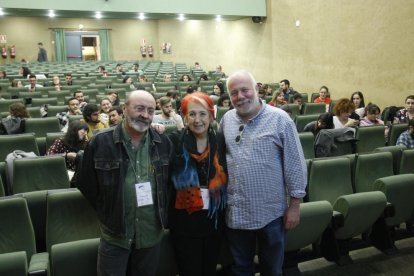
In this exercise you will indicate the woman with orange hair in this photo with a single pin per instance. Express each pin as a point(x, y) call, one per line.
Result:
point(344, 114)
point(199, 177)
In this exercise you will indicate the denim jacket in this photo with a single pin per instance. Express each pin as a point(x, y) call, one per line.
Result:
point(102, 171)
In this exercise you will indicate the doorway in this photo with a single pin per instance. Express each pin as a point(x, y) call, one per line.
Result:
point(90, 48)
point(82, 46)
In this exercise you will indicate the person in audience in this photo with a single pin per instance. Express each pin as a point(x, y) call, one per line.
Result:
point(262, 93)
point(104, 112)
point(343, 110)
point(15, 122)
point(142, 79)
point(32, 83)
point(407, 137)
point(3, 74)
point(261, 178)
point(219, 72)
point(135, 69)
point(68, 79)
point(128, 79)
point(193, 88)
point(298, 99)
point(407, 113)
point(168, 117)
point(17, 83)
point(224, 101)
point(324, 97)
point(25, 72)
point(186, 78)
point(218, 90)
point(358, 99)
point(125, 175)
point(175, 96)
point(75, 140)
point(199, 178)
point(268, 89)
point(113, 97)
point(56, 83)
point(73, 109)
point(325, 121)
point(101, 69)
point(197, 65)
point(286, 89)
point(278, 99)
point(372, 116)
point(119, 69)
point(79, 96)
point(167, 78)
point(116, 115)
point(91, 117)
point(203, 77)
point(1, 95)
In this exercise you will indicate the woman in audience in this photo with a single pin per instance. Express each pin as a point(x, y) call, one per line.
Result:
point(218, 90)
point(324, 97)
point(268, 89)
point(372, 113)
point(185, 78)
point(278, 99)
point(358, 99)
point(3, 74)
point(202, 78)
point(17, 83)
point(104, 112)
point(128, 79)
point(325, 121)
point(199, 179)
point(343, 110)
point(74, 141)
point(224, 100)
point(407, 113)
point(56, 83)
point(15, 122)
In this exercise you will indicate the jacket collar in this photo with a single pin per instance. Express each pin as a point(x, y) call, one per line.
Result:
point(154, 136)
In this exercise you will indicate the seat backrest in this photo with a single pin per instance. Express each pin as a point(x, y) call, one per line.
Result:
point(220, 113)
point(306, 140)
point(16, 230)
point(396, 152)
point(40, 173)
point(24, 142)
point(41, 126)
point(330, 178)
point(4, 104)
point(370, 167)
point(369, 138)
point(314, 108)
point(303, 120)
point(52, 110)
point(407, 161)
point(30, 95)
point(42, 101)
point(395, 132)
point(51, 138)
point(34, 112)
point(70, 217)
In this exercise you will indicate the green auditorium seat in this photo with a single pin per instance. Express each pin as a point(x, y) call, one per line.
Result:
point(24, 142)
point(314, 108)
point(370, 167)
point(220, 113)
point(41, 126)
point(369, 138)
point(306, 140)
point(33, 95)
point(52, 110)
point(17, 235)
point(294, 108)
point(51, 137)
point(394, 133)
point(302, 120)
point(72, 234)
point(34, 111)
point(60, 95)
point(2, 192)
point(4, 104)
point(39, 173)
point(41, 101)
point(396, 152)
point(407, 161)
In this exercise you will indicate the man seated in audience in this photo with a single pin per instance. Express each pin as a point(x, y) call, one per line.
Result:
point(32, 83)
point(116, 115)
point(79, 96)
point(287, 90)
point(167, 78)
point(73, 109)
point(135, 69)
point(120, 69)
point(91, 118)
point(407, 137)
point(219, 72)
point(298, 99)
point(168, 117)
point(68, 79)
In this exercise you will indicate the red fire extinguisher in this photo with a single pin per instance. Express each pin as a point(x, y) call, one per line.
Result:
point(144, 51)
point(4, 51)
point(12, 52)
point(150, 51)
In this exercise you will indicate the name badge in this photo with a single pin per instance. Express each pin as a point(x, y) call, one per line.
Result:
point(206, 198)
point(144, 194)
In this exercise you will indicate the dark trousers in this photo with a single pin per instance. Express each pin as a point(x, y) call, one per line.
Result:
point(116, 261)
point(196, 256)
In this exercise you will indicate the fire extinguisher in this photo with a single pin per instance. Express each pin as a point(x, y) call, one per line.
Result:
point(150, 51)
point(144, 51)
point(12, 52)
point(4, 51)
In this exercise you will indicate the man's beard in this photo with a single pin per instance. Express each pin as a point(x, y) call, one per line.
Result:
point(140, 125)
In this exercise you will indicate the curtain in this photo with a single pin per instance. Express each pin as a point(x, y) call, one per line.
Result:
point(60, 45)
point(104, 40)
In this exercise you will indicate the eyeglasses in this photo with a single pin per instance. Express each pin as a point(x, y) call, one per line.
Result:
point(239, 137)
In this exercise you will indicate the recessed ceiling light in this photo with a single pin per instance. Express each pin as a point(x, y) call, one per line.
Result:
point(141, 16)
point(52, 13)
point(98, 15)
point(218, 18)
point(181, 17)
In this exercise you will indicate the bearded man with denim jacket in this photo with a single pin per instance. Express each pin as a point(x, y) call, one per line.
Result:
point(124, 175)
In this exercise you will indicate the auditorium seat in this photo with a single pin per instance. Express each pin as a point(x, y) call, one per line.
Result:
point(32, 95)
point(60, 95)
point(41, 101)
point(41, 126)
point(314, 108)
point(407, 161)
point(24, 142)
point(302, 120)
point(369, 138)
point(4, 104)
point(396, 152)
point(394, 133)
point(306, 140)
point(220, 113)
point(52, 110)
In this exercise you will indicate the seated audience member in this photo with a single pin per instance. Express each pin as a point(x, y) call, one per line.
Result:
point(142, 79)
point(167, 78)
point(74, 141)
point(174, 95)
point(105, 107)
point(193, 88)
point(372, 114)
point(343, 110)
point(32, 83)
point(262, 94)
point(113, 97)
point(219, 72)
point(325, 121)
point(73, 109)
point(407, 137)
point(25, 72)
point(223, 101)
point(116, 115)
point(135, 69)
point(3, 75)
point(119, 68)
point(268, 89)
point(15, 122)
point(56, 83)
point(358, 99)
point(91, 117)
point(218, 90)
point(17, 83)
point(128, 79)
point(298, 99)
point(286, 89)
point(168, 117)
point(407, 113)
point(278, 99)
point(68, 79)
point(324, 97)
point(186, 78)
point(79, 96)
point(203, 77)
point(101, 69)
point(197, 65)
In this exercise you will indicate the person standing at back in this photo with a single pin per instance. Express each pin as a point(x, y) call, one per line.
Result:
point(42, 54)
point(124, 175)
point(266, 166)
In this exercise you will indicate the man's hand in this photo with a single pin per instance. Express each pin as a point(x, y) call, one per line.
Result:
point(158, 128)
point(292, 215)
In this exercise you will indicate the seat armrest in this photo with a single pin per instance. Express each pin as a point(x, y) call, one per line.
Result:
point(337, 220)
point(39, 264)
point(389, 210)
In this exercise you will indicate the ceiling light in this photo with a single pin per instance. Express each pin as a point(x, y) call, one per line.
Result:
point(141, 16)
point(98, 15)
point(181, 17)
point(51, 13)
point(218, 18)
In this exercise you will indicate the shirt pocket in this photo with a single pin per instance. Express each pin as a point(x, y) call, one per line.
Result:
point(107, 171)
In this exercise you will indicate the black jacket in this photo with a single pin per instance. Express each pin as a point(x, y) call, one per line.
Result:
point(102, 171)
